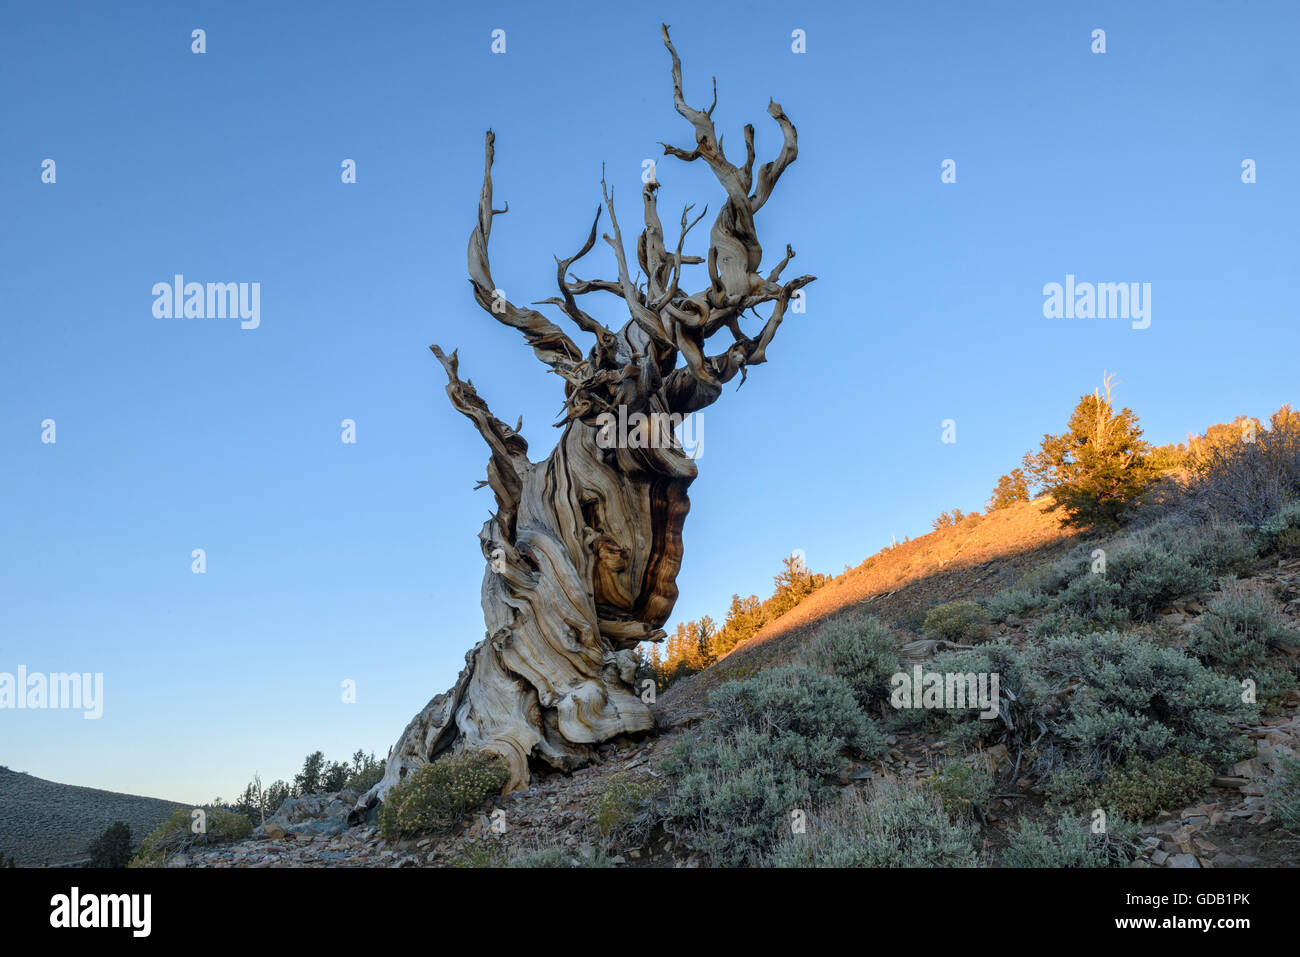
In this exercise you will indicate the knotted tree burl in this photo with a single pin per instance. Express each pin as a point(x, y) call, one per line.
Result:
point(584, 548)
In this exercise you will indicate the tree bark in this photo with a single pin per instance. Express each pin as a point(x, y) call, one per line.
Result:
point(584, 547)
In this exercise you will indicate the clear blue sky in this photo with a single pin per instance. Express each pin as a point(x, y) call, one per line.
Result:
point(328, 561)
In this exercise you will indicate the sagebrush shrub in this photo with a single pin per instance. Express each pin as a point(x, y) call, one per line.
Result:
point(1091, 602)
point(561, 857)
point(962, 788)
point(1217, 547)
point(1222, 549)
point(1016, 694)
point(1086, 702)
point(1014, 601)
point(799, 701)
point(1151, 577)
point(1281, 530)
point(1131, 696)
point(1239, 626)
point(438, 794)
point(774, 743)
point(622, 808)
point(1050, 579)
point(860, 651)
point(1071, 783)
point(1145, 571)
point(737, 792)
point(1285, 794)
point(961, 622)
point(1235, 634)
point(177, 833)
point(1143, 574)
point(1071, 842)
point(894, 825)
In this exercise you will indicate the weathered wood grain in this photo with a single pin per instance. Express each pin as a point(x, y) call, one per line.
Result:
point(584, 547)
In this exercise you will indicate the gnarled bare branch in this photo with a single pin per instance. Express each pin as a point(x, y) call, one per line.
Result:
point(606, 347)
point(735, 252)
point(647, 320)
point(509, 462)
point(549, 343)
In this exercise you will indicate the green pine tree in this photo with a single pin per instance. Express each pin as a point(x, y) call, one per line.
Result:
point(113, 847)
point(1097, 470)
point(1011, 488)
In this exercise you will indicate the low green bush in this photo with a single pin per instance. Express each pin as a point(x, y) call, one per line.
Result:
point(999, 658)
point(487, 852)
point(1088, 702)
point(738, 793)
point(773, 744)
point(1144, 572)
point(1141, 788)
point(1239, 626)
point(895, 825)
point(1285, 794)
point(1216, 547)
point(1070, 842)
point(912, 619)
point(1091, 602)
point(1014, 601)
point(1280, 532)
point(799, 701)
point(1051, 578)
point(961, 622)
point(1072, 784)
point(906, 719)
point(437, 795)
point(622, 810)
point(561, 857)
point(962, 788)
point(178, 833)
point(1150, 577)
point(1236, 633)
point(1223, 549)
point(1130, 696)
point(860, 651)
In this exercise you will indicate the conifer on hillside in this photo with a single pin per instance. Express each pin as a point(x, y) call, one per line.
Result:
point(1011, 488)
point(1098, 469)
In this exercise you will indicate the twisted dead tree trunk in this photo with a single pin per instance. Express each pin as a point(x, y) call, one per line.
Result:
point(584, 548)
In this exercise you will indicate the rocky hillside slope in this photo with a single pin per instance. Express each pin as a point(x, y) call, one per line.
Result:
point(973, 559)
point(43, 823)
point(1228, 824)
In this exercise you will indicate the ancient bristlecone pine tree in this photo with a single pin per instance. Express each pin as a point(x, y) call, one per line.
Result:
point(584, 548)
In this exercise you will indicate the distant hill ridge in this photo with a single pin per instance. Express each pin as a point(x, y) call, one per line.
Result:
point(46, 823)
